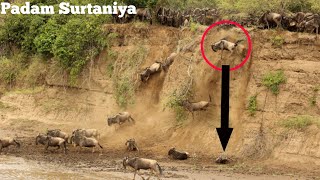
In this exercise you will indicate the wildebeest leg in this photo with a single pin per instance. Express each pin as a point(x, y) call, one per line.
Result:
point(134, 176)
point(65, 147)
point(93, 149)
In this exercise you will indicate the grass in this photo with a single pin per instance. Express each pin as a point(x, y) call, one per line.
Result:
point(300, 122)
point(194, 26)
point(313, 99)
point(2, 105)
point(174, 103)
point(252, 105)
point(126, 65)
point(272, 80)
point(29, 91)
point(277, 41)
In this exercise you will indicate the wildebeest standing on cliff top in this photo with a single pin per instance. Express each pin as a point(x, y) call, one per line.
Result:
point(144, 14)
point(270, 19)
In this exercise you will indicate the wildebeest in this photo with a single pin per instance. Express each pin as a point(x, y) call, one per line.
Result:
point(223, 44)
point(42, 139)
point(142, 163)
point(173, 153)
point(161, 15)
point(196, 106)
point(311, 25)
point(165, 66)
point(154, 68)
point(222, 160)
point(50, 141)
point(144, 14)
point(83, 141)
point(132, 145)
point(271, 19)
point(120, 118)
point(87, 133)
point(6, 142)
point(58, 133)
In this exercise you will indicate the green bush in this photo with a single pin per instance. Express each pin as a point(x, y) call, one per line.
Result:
point(298, 122)
point(124, 68)
point(272, 81)
point(8, 71)
point(124, 92)
point(34, 74)
point(175, 103)
point(46, 38)
point(71, 39)
point(277, 41)
point(252, 107)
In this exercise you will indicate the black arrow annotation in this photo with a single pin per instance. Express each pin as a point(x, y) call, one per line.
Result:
point(225, 132)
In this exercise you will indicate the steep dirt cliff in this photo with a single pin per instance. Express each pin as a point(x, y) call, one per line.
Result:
point(135, 47)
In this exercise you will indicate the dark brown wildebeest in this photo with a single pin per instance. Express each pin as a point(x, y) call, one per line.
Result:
point(142, 163)
point(50, 141)
point(174, 154)
point(120, 118)
point(154, 68)
point(196, 106)
point(6, 142)
point(210, 17)
point(169, 17)
point(177, 19)
point(58, 133)
point(132, 145)
point(144, 14)
point(270, 19)
point(161, 15)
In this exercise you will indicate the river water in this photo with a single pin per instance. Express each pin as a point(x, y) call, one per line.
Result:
point(19, 168)
point(14, 168)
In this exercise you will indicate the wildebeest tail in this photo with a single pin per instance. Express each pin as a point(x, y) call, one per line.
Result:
point(209, 98)
point(100, 145)
point(160, 170)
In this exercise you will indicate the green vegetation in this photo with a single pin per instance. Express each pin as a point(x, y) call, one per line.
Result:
point(272, 80)
point(71, 40)
point(300, 122)
point(252, 107)
point(124, 76)
point(175, 103)
point(194, 26)
point(8, 71)
point(313, 99)
point(277, 41)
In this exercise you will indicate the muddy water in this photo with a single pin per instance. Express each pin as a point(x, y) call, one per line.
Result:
point(19, 168)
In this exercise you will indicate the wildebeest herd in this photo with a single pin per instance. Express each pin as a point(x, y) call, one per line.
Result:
point(89, 138)
point(298, 22)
